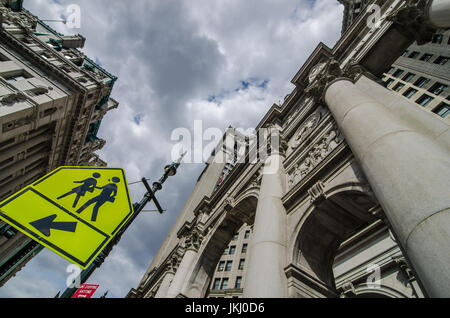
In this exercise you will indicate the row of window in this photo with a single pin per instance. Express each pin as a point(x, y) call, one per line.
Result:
point(436, 89)
point(232, 249)
point(226, 265)
point(425, 99)
point(246, 235)
point(222, 283)
point(426, 57)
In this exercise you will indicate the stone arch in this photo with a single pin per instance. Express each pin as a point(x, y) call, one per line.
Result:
point(252, 192)
point(220, 235)
point(382, 291)
point(333, 216)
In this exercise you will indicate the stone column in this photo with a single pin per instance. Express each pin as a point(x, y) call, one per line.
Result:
point(168, 278)
point(192, 244)
point(439, 13)
point(164, 288)
point(408, 170)
point(265, 277)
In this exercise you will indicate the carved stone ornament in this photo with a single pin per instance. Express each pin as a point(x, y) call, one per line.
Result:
point(414, 20)
point(229, 203)
point(316, 154)
point(326, 72)
point(194, 239)
point(315, 71)
point(402, 263)
point(173, 263)
point(321, 75)
point(276, 144)
point(303, 131)
point(11, 99)
point(348, 290)
point(316, 192)
point(256, 180)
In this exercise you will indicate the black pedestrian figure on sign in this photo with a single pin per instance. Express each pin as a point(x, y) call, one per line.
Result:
point(87, 185)
point(109, 193)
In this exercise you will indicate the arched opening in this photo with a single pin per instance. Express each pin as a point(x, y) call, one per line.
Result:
point(222, 234)
point(325, 226)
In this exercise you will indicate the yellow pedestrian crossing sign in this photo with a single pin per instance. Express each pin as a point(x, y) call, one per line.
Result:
point(74, 211)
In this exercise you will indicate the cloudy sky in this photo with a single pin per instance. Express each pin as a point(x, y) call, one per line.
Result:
point(224, 62)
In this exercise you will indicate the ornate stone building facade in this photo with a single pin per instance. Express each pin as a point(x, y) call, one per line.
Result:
point(353, 203)
point(52, 101)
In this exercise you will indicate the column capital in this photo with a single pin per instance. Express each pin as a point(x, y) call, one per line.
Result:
point(173, 263)
point(276, 143)
point(323, 74)
point(193, 239)
point(414, 19)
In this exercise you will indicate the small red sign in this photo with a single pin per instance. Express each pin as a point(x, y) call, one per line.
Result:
point(85, 291)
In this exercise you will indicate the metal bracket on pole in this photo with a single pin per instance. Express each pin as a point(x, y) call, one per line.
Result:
point(152, 195)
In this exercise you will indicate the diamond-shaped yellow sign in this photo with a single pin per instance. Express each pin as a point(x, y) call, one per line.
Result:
point(74, 211)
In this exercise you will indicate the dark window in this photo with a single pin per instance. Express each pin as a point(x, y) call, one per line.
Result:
point(437, 88)
point(7, 142)
point(228, 266)
point(244, 248)
point(441, 60)
point(398, 87)
point(48, 112)
point(238, 282)
point(437, 38)
point(408, 77)
point(6, 161)
point(8, 178)
point(414, 54)
point(424, 100)
point(389, 82)
point(221, 266)
point(241, 263)
point(247, 234)
point(216, 283)
point(410, 92)
point(224, 283)
point(398, 73)
point(226, 251)
point(235, 237)
point(232, 250)
point(426, 57)
point(442, 110)
point(15, 78)
point(421, 82)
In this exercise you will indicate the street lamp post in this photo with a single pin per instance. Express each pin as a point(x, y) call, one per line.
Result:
point(169, 170)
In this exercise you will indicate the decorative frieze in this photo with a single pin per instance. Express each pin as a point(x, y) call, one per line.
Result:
point(315, 155)
point(303, 131)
